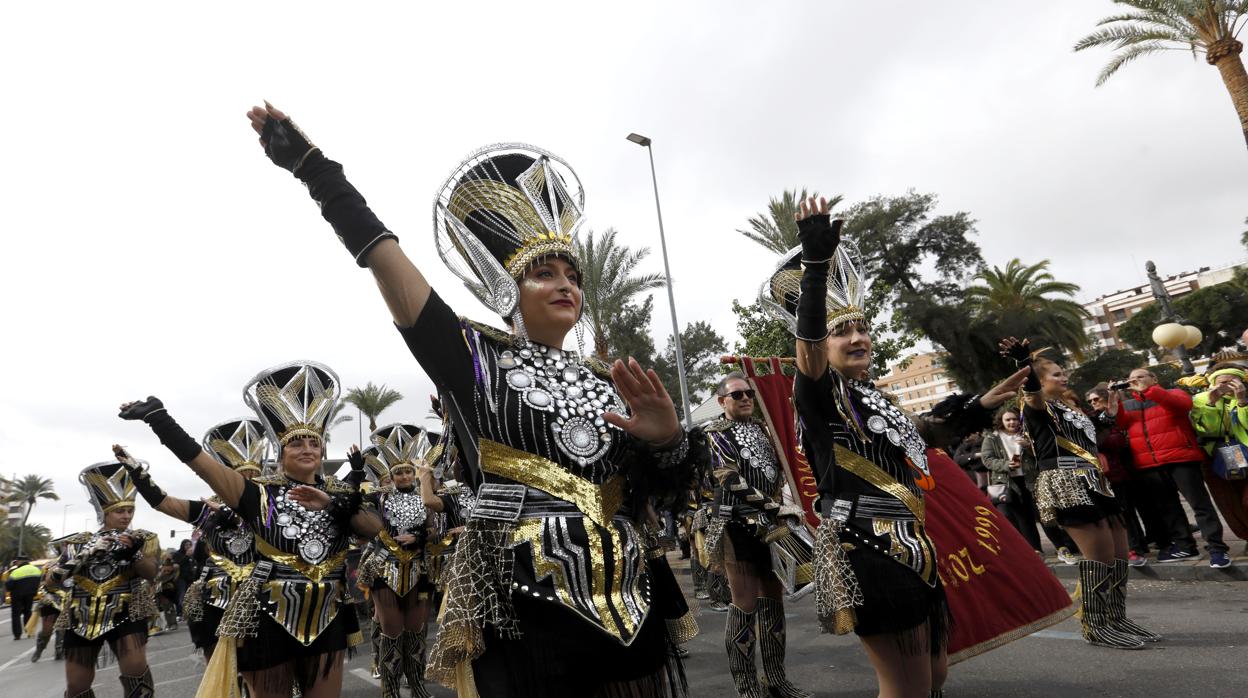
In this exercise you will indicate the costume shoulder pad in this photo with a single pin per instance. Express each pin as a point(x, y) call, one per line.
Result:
point(721, 424)
point(269, 480)
point(492, 332)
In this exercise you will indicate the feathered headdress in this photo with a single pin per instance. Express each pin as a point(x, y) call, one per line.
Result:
point(239, 443)
point(401, 445)
point(505, 207)
point(108, 487)
point(846, 292)
point(293, 400)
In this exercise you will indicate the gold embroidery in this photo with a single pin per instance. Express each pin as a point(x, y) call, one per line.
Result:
point(872, 473)
point(315, 572)
point(598, 503)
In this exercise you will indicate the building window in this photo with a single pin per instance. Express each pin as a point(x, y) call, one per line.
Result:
point(1120, 315)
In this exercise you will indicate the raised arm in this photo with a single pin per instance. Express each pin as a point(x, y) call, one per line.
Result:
point(156, 498)
point(432, 501)
point(820, 237)
point(403, 287)
point(225, 482)
point(1021, 353)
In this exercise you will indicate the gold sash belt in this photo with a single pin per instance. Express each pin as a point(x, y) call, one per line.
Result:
point(598, 503)
point(1078, 450)
point(313, 572)
point(872, 473)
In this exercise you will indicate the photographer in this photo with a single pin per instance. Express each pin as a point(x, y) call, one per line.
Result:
point(1165, 451)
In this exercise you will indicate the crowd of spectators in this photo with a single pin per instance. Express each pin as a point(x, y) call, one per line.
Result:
point(1159, 447)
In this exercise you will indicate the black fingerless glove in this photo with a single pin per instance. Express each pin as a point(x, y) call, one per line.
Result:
point(174, 437)
point(357, 227)
point(356, 476)
point(963, 414)
point(148, 490)
point(820, 237)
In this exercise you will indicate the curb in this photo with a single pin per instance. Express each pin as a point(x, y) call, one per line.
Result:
point(1174, 572)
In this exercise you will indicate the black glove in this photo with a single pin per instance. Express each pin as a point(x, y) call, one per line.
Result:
point(357, 476)
point(171, 434)
point(357, 227)
point(1020, 352)
point(149, 490)
point(820, 236)
point(286, 145)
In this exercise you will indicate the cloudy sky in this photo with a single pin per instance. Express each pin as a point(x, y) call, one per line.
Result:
point(152, 249)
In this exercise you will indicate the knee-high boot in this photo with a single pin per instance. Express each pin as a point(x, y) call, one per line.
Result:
point(739, 640)
point(1118, 606)
point(373, 635)
point(414, 647)
point(138, 686)
point(390, 665)
point(771, 644)
point(1094, 581)
point(41, 643)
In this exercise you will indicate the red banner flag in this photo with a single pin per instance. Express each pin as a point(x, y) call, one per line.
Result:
point(998, 588)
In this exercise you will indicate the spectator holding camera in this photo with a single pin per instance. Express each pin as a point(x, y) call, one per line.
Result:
point(1220, 416)
point(1167, 454)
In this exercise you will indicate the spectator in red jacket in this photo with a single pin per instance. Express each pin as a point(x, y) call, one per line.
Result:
point(1166, 453)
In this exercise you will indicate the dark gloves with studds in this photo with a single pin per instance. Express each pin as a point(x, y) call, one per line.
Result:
point(357, 227)
point(142, 409)
point(357, 475)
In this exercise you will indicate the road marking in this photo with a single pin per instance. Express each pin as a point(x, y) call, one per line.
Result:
point(14, 660)
point(366, 675)
point(184, 678)
point(1057, 635)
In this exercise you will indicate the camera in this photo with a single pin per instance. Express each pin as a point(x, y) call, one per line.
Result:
point(1120, 385)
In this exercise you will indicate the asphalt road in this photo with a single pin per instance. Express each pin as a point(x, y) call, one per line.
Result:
point(1205, 624)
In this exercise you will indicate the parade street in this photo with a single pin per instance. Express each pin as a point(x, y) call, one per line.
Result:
point(1203, 623)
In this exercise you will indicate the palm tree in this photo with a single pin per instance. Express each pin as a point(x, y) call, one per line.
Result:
point(13, 538)
point(1206, 27)
point(609, 282)
point(29, 490)
point(372, 400)
point(1031, 296)
point(775, 229)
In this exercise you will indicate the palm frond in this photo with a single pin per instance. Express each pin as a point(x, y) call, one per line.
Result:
point(1126, 57)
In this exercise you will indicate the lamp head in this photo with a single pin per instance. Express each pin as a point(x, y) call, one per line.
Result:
point(639, 139)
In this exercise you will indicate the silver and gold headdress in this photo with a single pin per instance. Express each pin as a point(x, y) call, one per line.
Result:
point(846, 293)
point(374, 467)
point(505, 207)
point(293, 400)
point(239, 443)
point(401, 445)
point(109, 486)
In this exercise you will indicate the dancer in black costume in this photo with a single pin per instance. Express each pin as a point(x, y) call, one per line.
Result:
point(548, 592)
point(875, 565)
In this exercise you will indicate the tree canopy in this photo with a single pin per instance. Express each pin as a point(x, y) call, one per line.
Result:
point(1220, 311)
point(372, 400)
point(609, 280)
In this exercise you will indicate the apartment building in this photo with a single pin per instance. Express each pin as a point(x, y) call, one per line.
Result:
point(922, 382)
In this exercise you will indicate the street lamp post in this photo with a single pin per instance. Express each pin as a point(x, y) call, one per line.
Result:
point(1167, 313)
point(667, 272)
point(64, 518)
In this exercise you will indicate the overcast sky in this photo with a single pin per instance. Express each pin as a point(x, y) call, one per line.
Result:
point(152, 249)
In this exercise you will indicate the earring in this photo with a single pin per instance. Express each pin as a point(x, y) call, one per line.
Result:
point(517, 322)
point(580, 339)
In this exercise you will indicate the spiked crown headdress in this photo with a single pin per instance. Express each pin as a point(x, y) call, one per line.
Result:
point(108, 486)
point(239, 443)
point(401, 445)
point(374, 467)
point(505, 207)
point(293, 400)
point(846, 293)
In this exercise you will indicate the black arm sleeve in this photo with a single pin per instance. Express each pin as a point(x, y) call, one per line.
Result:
point(342, 205)
point(816, 409)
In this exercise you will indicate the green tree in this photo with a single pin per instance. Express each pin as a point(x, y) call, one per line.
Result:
point(701, 346)
point(29, 539)
point(1107, 366)
point(372, 400)
point(898, 238)
point(629, 332)
point(1031, 291)
point(776, 228)
point(761, 334)
point(609, 281)
point(28, 491)
point(1221, 313)
point(1201, 27)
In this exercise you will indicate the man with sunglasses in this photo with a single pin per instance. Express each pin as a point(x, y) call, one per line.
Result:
point(747, 473)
